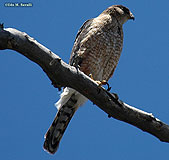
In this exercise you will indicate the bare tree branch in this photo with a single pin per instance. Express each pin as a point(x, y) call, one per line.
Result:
point(62, 74)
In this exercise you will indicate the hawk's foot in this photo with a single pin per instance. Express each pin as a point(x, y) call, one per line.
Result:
point(104, 82)
point(100, 83)
point(77, 67)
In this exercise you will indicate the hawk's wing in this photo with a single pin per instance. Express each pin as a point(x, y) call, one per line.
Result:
point(75, 60)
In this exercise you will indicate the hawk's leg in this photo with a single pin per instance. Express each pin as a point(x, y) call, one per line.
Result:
point(77, 67)
point(100, 83)
point(76, 62)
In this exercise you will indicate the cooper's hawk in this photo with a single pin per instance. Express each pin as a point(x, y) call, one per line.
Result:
point(96, 51)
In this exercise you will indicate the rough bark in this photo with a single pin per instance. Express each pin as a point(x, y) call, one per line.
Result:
point(62, 74)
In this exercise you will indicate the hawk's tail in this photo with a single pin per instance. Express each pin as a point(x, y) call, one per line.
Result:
point(67, 105)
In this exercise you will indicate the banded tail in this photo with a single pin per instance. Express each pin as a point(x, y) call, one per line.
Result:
point(67, 105)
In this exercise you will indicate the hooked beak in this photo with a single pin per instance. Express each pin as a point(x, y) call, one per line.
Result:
point(132, 17)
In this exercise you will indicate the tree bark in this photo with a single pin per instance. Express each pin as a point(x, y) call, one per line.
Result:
point(64, 75)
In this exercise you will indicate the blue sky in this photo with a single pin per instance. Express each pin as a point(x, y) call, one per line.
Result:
point(141, 79)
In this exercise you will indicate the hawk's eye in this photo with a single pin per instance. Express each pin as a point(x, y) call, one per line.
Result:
point(126, 10)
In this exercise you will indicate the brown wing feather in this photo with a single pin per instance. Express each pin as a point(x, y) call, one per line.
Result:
point(74, 57)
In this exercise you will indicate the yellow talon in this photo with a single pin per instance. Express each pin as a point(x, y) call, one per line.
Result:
point(100, 83)
point(91, 76)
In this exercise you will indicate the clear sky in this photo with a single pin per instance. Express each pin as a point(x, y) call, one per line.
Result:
point(141, 79)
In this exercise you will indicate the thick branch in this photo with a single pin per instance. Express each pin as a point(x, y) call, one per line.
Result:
point(61, 74)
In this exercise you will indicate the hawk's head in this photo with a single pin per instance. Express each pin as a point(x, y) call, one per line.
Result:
point(120, 12)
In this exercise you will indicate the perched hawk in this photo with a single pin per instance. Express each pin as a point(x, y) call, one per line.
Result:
point(96, 51)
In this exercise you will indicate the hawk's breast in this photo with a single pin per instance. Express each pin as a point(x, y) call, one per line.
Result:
point(99, 47)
